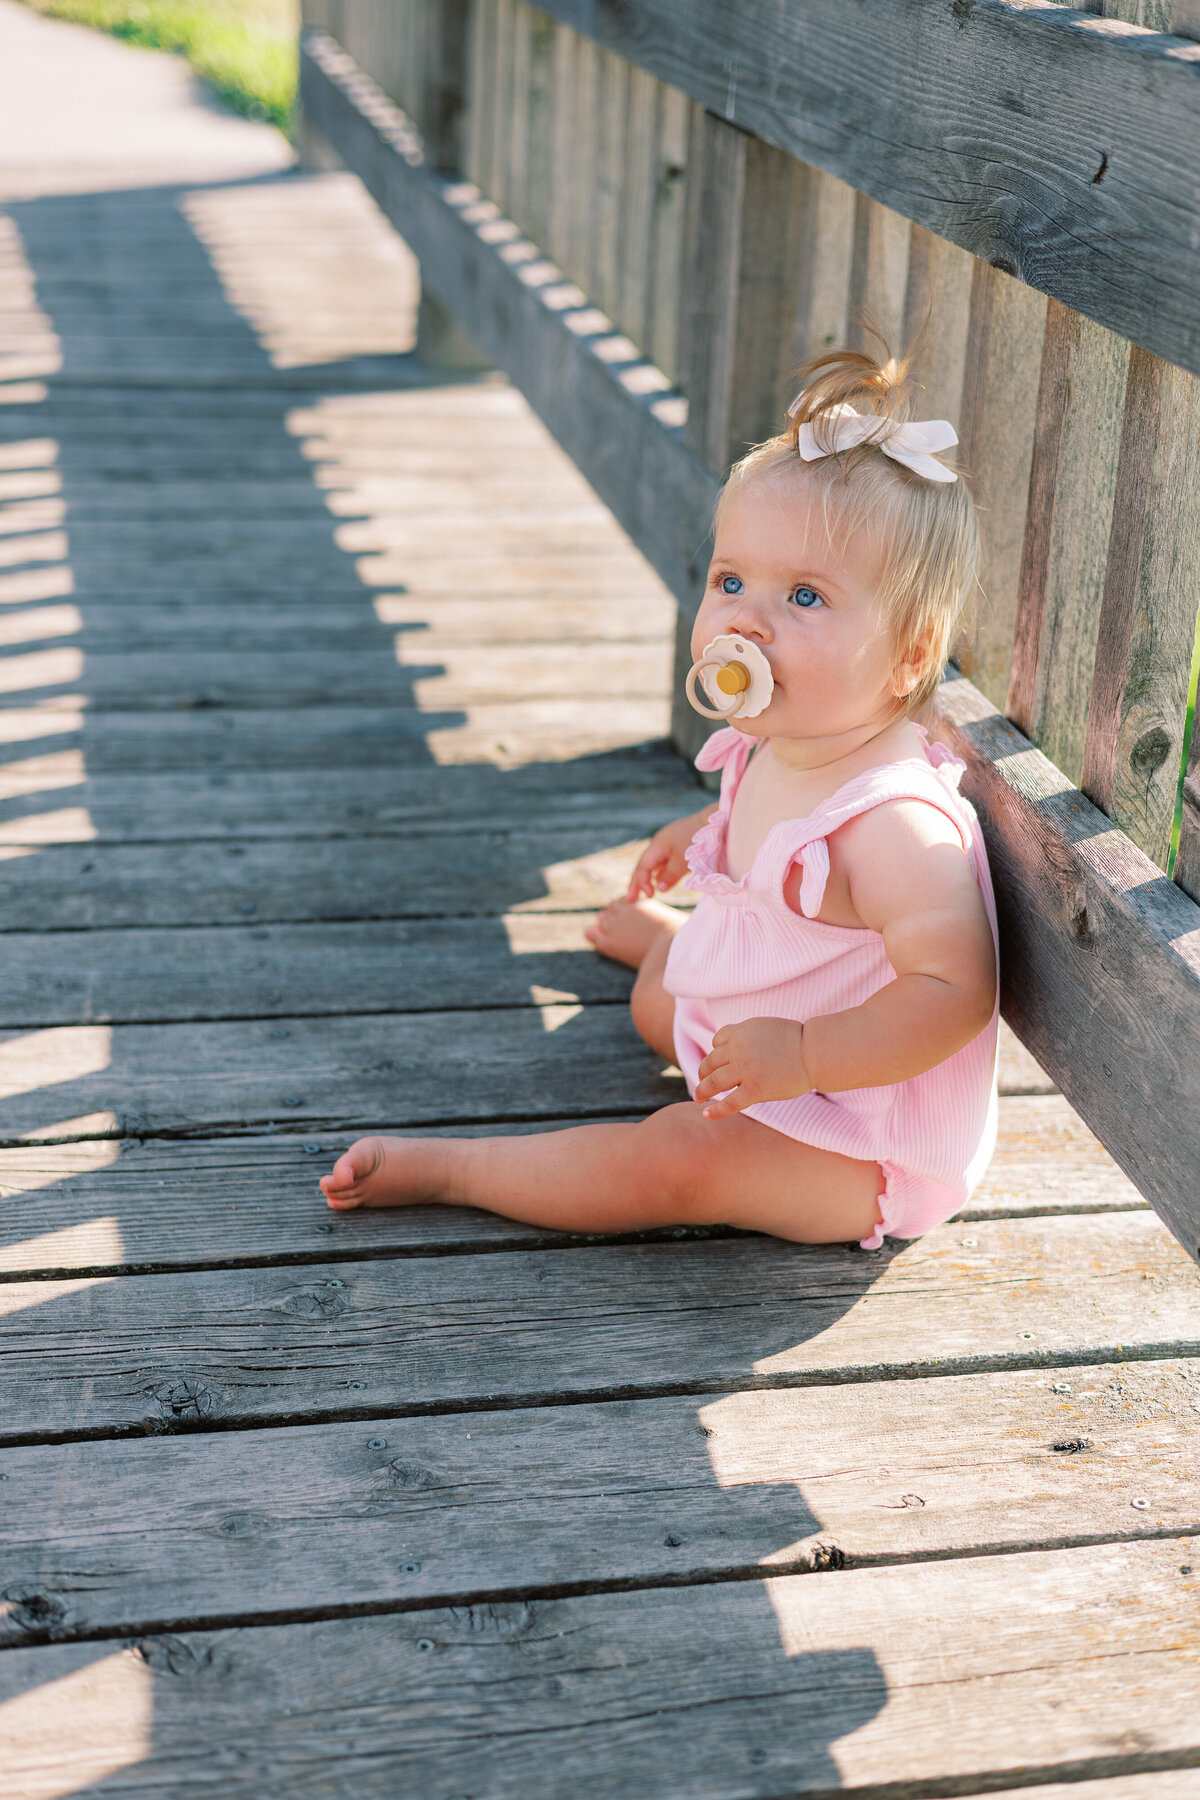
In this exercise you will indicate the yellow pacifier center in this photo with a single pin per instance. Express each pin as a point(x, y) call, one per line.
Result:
point(734, 678)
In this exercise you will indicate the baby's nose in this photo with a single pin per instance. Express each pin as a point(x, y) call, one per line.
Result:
point(750, 621)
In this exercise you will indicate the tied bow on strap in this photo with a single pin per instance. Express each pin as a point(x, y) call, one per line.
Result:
point(908, 444)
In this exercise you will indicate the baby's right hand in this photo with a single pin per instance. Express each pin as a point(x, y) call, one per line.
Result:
point(662, 862)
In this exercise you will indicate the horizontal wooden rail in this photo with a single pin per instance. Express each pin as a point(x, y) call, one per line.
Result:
point(1059, 147)
point(1100, 952)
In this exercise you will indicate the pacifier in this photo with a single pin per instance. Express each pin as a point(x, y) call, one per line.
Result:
point(736, 677)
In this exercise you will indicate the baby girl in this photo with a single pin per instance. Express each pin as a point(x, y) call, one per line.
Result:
point(832, 999)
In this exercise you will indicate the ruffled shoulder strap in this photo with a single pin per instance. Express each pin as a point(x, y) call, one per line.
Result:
point(804, 840)
point(721, 747)
point(729, 751)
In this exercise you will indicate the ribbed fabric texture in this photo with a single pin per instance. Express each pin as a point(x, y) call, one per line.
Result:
point(744, 954)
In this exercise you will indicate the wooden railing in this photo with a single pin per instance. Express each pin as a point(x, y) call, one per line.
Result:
point(648, 211)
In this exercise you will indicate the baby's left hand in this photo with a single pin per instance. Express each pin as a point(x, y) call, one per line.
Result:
point(760, 1059)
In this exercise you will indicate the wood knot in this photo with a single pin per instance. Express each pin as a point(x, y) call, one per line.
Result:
point(242, 1525)
point(501, 1619)
point(1150, 752)
point(315, 1302)
point(32, 1611)
point(1078, 922)
point(186, 1398)
point(169, 1655)
point(411, 1475)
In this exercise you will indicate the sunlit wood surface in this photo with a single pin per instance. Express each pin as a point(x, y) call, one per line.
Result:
point(331, 703)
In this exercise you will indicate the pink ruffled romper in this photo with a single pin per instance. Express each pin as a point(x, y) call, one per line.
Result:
point(744, 954)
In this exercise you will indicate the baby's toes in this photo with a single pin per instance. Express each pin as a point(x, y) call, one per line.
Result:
point(341, 1187)
point(601, 926)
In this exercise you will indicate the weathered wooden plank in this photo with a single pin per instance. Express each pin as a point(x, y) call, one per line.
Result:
point(1080, 405)
point(476, 135)
point(256, 543)
point(559, 222)
point(395, 1067)
point(797, 1684)
point(499, 77)
point(824, 257)
point(305, 493)
point(878, 273)
point(581, 170)
point(245, 677)
point(112, 366)
point(776, 201)
point(1147, 626)
point(97, 1356)
point(433, 1067)
point(568, 868)
point(1165, 1784)
point(267, 971)
point(160, 1203)
point(669, 233)
point(937, 317)
point(1093, 202)
point(1100, 957)
point(1046, 1160)
point(716, 193)
point(539, 105)
point(430, 576)
point(436, 622)
point(639, 184)
point(516, 25)
point(524, 731)
point(607, 183)
point(641, 1492)
point(335, 803)
point(445, 117)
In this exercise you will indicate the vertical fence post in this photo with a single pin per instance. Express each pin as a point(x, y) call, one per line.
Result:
point(1134, 745)
point(1081, 401)
point(668, 231)
point(715, 186)
point(999, 400)
point(449, 141)
point(937, 306)
point(879, 274)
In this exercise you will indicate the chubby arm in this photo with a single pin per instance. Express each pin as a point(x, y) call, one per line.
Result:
point(662, 863)
point(902, 871)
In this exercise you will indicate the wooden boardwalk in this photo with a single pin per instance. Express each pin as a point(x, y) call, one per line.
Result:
point(331, 701)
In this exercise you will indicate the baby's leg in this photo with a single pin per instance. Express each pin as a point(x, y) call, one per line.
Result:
point(638, 933)
point(675, 1168)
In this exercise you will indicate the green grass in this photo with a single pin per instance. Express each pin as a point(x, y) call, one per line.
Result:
point(244, 49)
point(1188, 727)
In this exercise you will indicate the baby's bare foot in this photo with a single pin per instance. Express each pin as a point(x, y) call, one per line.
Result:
point(627, 929)
point(381, 1171)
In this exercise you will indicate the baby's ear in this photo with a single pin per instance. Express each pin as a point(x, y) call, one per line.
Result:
point(906, 675)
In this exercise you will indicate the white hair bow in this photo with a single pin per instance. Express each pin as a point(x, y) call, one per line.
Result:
point(908, 444)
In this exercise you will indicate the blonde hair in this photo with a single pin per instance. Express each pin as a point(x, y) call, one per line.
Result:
point(926, 531)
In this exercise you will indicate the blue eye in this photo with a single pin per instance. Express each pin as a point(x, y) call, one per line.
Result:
point(806, 596)
point(731, 584)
